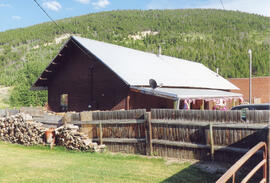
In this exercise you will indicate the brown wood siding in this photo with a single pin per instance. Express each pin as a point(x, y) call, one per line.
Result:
point(73, 77)
point(143, 101)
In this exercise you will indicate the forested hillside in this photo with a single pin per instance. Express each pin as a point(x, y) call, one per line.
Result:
point(216, 38)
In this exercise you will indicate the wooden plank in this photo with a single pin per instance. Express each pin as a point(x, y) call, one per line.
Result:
point(178, 122)
point(179, 144)
point(87, 129)
point(146, 134)
point(205, 124)
point(200, 146)
point(212, 150)
point(100, 134)
point(110, 121)
point(119, 140)
point(241, 126)
point(207, 136)
point(150, 133)
point(118, 115)
point(266, 116)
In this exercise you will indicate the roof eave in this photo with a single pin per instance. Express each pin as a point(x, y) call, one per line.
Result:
point(35, 86)
point(153, 93)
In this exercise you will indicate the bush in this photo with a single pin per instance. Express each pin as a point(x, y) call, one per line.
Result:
point(21, 95)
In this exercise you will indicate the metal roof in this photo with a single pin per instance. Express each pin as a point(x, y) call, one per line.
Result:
point(137, 67)
point(186, 93)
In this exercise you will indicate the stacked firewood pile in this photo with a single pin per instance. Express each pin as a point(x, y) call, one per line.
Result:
point(21, 129)
point(16, 129)
point(69, 136)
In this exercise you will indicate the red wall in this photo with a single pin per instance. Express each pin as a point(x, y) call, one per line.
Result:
point(260, 88)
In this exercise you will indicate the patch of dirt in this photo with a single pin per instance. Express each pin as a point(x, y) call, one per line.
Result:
point(57, 40)
point(169, 161)
point(212, 167)
point(61, 38)
point(142, 35)
point(36, 47)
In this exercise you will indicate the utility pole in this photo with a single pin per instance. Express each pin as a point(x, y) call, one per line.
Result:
point(250, 75)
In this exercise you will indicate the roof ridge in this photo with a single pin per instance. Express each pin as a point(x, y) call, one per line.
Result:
point(145, 52)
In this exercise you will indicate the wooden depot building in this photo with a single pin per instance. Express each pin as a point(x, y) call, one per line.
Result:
point(93, 75)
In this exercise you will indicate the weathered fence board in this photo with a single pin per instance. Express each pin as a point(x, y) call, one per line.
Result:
point(110, 121)
point(120, 140)
point(252, 116)
point(121, 131)
point(178, 133)
point(118, 115)
point(229, 131)
point(131, 148)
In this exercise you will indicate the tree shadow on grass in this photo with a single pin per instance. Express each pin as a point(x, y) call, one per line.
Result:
point(192, 174)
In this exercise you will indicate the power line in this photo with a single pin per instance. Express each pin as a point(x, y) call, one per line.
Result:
point(61, 28)
point(50, 17)
point(222, 4)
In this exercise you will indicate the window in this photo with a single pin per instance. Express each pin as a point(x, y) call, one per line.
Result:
point(64, 102)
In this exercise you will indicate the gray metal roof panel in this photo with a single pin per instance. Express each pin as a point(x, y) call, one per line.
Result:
point(137, 67)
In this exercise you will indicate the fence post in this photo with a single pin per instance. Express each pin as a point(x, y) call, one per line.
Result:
point(148, 134)
point(100, 134)
point(210, 140)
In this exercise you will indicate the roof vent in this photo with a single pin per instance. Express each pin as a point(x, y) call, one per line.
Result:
point(217, 72)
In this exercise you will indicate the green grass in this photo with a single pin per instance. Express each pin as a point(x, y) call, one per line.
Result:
point(4, 96)
point(40, 164)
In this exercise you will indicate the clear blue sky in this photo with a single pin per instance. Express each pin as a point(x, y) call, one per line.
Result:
point(22, 13)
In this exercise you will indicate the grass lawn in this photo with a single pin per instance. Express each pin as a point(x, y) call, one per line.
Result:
point(4, 96)
point(40, 164)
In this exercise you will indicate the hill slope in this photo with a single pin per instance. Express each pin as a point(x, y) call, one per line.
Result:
point(216, 38)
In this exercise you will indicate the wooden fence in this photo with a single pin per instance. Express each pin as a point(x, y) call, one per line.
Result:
point(121, 131)
point(190, 134)
point(206, 134)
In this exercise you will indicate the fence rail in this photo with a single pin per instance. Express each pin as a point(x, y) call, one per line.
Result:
point(176, 133)
point(112, 122)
